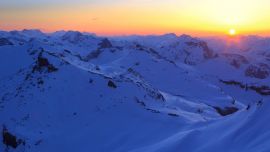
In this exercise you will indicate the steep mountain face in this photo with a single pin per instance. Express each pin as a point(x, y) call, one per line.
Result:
point(4, 41)
point(76, 37)
point(184, 48)
point(235, 60)
point(260, 71)
point(71, 91)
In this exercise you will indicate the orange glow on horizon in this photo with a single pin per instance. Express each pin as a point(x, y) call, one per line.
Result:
point(193, 17)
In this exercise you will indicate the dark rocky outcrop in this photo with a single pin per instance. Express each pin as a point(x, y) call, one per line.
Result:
point(236, 60)
point(43, 63)
point(248, 107)
point(153, 110)
point(140, 102)
point(112, 84)
point(173, 114)
point(93, 55)
point(232, 82)
point(260, 71)
point(152, 52)
point(105, 43)
point(91, 80)
point(262, 90)
point(152, 92)
point(226, 111)
point(207, 52)
point(11, 140)
point(4, 41)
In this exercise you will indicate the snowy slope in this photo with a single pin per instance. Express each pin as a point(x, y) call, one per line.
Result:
point(72, 91)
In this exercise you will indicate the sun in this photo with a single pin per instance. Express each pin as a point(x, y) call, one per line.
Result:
point(232, 32)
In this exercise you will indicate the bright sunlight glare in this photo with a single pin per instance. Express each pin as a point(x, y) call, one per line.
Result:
point(232, 32)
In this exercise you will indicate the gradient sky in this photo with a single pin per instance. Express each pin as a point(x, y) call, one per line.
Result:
point(124, 17)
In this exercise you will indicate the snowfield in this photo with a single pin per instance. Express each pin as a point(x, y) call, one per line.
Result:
point(69, 91)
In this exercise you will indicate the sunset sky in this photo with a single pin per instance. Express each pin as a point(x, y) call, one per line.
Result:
point(124, 17)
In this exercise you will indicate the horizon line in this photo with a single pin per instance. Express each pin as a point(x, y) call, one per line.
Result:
point(196, 34)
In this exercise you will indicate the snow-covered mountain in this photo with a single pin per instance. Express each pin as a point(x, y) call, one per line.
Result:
point(73, 91)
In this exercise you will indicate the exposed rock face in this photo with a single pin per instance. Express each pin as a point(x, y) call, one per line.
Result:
point(196, 51)
point(73, 36)
point(236, 60)
point(236, 83)
point(10, 140)
point(4, 41)
point(93, 55)
point(112, 84)
point(263, 90)
point(105, 43)
point(226, 111)
point(173, 114)
point(260, 71)
point(43, 63)
point(207, 52)
point(76, 37)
